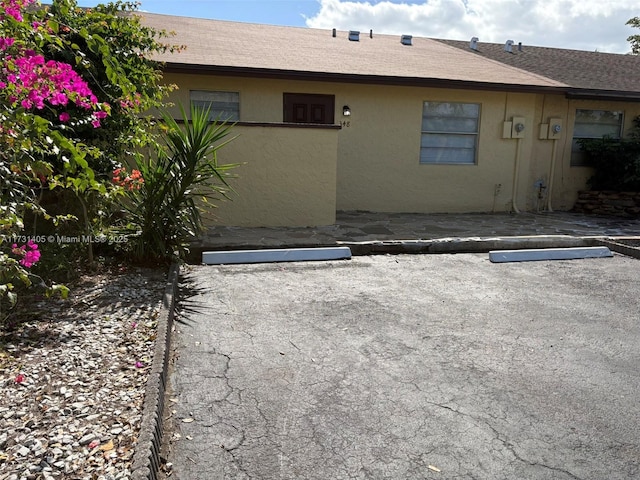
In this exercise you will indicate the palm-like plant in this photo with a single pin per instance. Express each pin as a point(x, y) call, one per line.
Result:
point(179, 184)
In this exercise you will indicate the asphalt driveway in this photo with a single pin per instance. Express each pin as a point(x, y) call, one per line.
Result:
point(408, 367)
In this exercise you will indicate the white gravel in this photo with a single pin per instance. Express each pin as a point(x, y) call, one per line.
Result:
point(72, 382)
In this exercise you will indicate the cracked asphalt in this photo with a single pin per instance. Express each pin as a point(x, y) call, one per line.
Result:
point(407, 367)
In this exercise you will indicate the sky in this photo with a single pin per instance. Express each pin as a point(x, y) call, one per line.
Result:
point(592, 25)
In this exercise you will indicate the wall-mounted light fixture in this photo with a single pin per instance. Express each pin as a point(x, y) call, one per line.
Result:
point(346, 111)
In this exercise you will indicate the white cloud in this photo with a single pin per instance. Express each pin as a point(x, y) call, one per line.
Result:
point(578, 24)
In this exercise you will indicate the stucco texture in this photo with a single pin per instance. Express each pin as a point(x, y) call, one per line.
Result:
point(300, 176)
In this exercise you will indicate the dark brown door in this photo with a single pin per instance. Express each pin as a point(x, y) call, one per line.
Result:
point(309, 108)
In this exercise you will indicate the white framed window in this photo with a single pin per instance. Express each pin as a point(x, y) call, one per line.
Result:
point(221, 105)
point(449, 133)
point(593, 124)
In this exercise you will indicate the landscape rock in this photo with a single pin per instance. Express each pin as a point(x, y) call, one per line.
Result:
point(79, 384)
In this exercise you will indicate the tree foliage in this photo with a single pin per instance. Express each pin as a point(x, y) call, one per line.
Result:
point(74, 84)
point(634, 40)
point(616, 161)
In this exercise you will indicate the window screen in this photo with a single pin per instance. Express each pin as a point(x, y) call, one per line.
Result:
point(449, 133)
point(221, 105)
point(593, 124)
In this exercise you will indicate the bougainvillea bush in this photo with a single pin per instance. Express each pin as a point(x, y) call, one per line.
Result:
point(74, 84)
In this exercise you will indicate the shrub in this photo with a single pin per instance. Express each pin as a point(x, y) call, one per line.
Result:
point(616, 161)
point(74, 84)
point(174, 187)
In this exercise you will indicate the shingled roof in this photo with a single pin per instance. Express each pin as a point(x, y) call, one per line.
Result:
point(589, 74)
point(216, 46)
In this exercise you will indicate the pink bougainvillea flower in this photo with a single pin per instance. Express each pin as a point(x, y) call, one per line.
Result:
point(29, 253)
point(139, 364)
point(32, 82)
point(6, 42)
point(59, 99)
point(64, 117)
point(20, 378)
point(134, 324)
point(14, 8)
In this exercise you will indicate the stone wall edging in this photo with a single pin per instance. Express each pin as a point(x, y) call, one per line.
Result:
point(602, 202)
point(146, 459)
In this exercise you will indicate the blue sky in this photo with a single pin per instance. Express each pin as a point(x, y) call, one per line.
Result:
point(576, 24)
point(276, 12)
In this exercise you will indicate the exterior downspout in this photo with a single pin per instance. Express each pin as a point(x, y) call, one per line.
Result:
point(552, 169)
point(516, 171)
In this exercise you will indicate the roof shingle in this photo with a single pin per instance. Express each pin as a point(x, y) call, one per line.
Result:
point(219, 45)
point(592, 71)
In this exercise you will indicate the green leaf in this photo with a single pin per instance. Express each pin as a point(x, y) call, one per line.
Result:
point(57, 289)
point(53, 25)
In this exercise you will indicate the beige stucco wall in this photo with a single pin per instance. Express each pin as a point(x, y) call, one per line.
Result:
point(567, 180)
point(287, 177)
point(378, 148)
point(379, 169)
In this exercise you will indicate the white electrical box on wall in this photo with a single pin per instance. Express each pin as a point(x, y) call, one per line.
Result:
point(506, 129)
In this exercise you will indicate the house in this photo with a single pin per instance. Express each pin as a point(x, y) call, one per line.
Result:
point(332, 120)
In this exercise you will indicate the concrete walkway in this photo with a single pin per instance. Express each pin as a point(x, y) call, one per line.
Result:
point(367, 233)
point(353, 227)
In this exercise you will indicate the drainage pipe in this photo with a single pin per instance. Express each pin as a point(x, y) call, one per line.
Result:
point(552, 169)
point(516, 170)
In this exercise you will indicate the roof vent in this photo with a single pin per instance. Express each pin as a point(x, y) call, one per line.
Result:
point(508, 46)
point(519, 46)
point(406, 39)
point(473, 45)
point(333, 33)
point(370, 33)
point(354, 35)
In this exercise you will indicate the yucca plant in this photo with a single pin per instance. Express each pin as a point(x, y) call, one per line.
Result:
point(180, 182)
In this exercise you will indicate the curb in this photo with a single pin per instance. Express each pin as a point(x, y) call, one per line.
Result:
point(616, 245)
point(467, 245)
point(146, 459)
point(448, 245)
